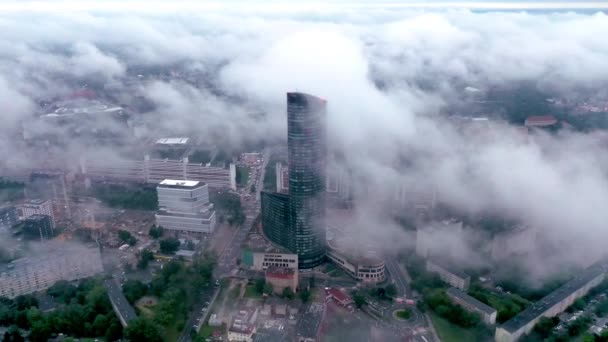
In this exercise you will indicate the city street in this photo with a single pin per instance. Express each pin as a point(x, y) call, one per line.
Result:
point(226, 265)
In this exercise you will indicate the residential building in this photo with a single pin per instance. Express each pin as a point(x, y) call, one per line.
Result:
point(8, 218)
point(54, 261)
point(185, 206)
point(553, 304)
point(308, 328)
point(449, 274)
point(38, 227)
point(260, 261)
point(38, 207)
point(281, 278)
point(243, 325)
point(487, 313)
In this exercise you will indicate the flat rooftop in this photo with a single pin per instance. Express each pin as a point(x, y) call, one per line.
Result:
point(540, 307)
point(452, 291)
point(447, 266)
point(180, 183)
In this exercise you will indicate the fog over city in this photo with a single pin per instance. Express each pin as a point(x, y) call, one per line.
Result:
point(391, 76)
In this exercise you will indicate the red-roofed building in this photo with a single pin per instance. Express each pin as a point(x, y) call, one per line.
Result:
point(541, 121)
point(282, 277)
point(339, 296)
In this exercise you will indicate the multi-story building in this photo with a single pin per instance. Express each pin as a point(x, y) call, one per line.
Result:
point(8, 218)
point(281, 278)
point(243, 325)
point(552, 304)
point(55, 261)
point(38, 207)
point(363, 265)
point(150, 170)
point(307, 153)
point(38, 226)
point(184, 206)
point(275, 219)
point(304, 231)
point(448, 274)
point(282, 177)
point(487, 313)
point(260, 261)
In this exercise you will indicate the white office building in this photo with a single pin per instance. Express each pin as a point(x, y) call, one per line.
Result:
point(184, 206)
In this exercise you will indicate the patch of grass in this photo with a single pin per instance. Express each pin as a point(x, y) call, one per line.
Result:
point(251, 292)
point(449, 332)
point(206, 331)
point(404, 314)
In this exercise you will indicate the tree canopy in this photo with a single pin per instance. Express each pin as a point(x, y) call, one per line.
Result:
point(169, 245)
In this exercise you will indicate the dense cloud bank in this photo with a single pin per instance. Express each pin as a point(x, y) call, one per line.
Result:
point(390, 76)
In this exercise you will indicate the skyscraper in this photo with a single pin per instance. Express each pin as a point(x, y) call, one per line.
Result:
point(307, 153)
point(297, 221)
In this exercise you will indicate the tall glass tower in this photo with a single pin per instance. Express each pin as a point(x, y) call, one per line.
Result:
point(307, 152)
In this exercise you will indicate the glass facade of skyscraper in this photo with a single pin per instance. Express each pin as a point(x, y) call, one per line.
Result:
point(307, 153)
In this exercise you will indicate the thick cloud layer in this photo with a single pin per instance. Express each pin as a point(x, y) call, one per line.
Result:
point(390, 73)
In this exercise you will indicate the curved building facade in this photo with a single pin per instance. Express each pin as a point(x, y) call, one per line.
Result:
point(307, 153)
point(275, 219)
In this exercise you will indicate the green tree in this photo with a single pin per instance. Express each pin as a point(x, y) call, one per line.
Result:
point(259, 285)
point(545, 326)
point(391, 290)
point(156, 232)
point(268, 288)
point(100, 325)
point(144, 259)
point(25, 302)
point(579, 326)
point(62, 290)
point(142, 330)
point(40, 331)
point(13, 335)
point(124, 235)
point(305, 295)
point(288, 293)
point(169, 245)
point(134, 290)
point(114, 331)
point(359, 300)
